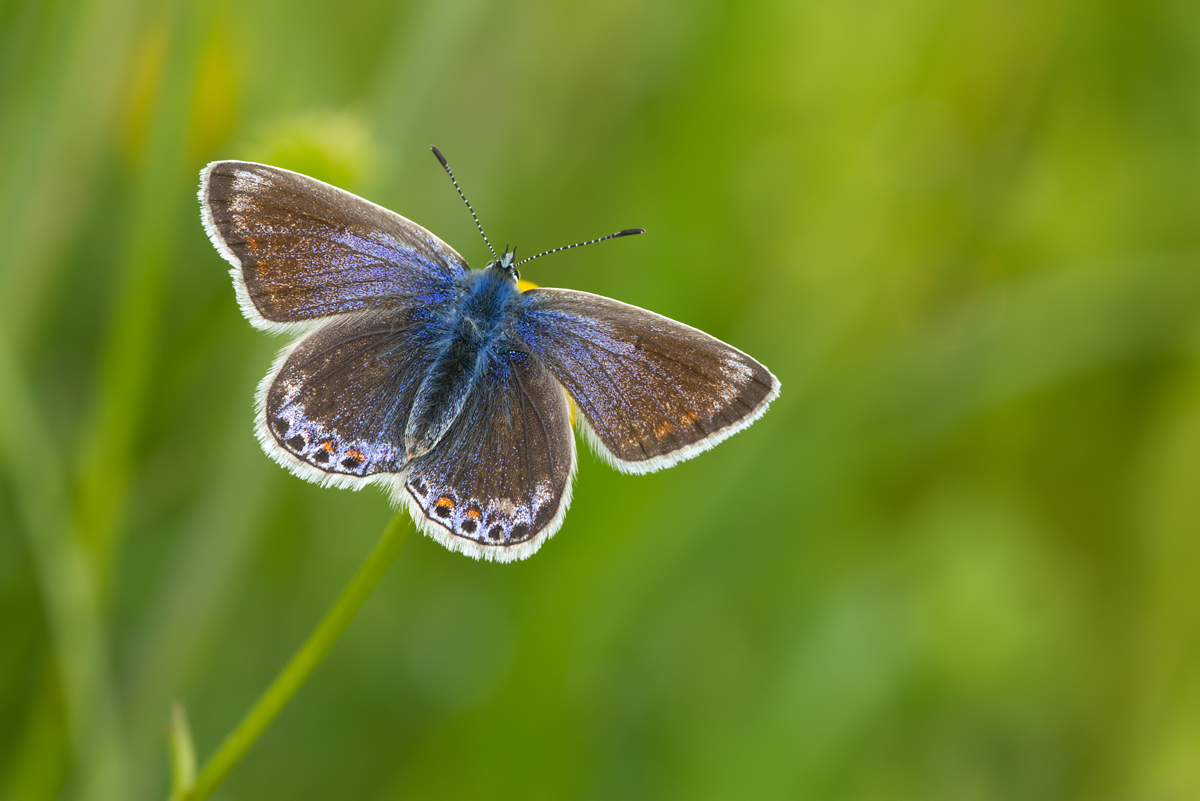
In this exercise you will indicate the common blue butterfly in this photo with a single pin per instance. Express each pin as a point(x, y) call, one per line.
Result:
point(450, 386)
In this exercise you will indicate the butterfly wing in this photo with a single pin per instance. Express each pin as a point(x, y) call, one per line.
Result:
point(302, 249)
point(499, 482)
point(334, 408)
point(652, 392)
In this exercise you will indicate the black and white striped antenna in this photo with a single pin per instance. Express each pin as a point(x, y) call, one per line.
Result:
point(442, 159)
point(446, 166)
point(626, 232)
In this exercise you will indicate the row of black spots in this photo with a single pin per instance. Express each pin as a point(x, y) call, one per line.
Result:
point(325, 451)
point(518, 533)
point(282, 428)
point(465, 523)
point(469, 523)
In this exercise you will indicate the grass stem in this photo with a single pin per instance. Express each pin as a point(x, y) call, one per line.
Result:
point(301, 665)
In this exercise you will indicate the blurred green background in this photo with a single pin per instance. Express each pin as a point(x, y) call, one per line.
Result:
point(959, 558)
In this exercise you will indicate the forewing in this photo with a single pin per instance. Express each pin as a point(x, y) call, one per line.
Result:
point(651, 391)
point(334, 408)
point(302, 249)
point(499, 482)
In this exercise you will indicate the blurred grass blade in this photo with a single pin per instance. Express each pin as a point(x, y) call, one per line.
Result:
point(183, 751)
point(407, 78)
point(41, 757)
point(198, 587)
point(129, 348)
point(67, 584)
point(52, 136)
point(305, 660)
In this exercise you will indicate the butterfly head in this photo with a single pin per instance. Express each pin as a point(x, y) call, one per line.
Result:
point(506, 265)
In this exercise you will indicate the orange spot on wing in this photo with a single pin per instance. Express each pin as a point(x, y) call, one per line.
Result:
point(327, 445)
point(667, 426)
point(474, 513)
point(261, 264)
point(355, 455)
point(445, 502)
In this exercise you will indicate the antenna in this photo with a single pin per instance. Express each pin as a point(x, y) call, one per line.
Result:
point(626, 232)
point(442, 159)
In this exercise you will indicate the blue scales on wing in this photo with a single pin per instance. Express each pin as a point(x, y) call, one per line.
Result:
point(651, 392)
point(302, 249)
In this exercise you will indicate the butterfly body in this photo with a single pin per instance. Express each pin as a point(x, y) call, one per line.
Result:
point(448, 386)
point(479, 337)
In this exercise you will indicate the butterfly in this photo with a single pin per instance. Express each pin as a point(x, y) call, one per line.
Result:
point(452, 387)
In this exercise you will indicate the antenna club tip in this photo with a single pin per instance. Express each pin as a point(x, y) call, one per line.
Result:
point(439, 155)
point(631, 231)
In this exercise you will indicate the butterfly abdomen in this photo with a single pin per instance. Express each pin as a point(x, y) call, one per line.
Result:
point(479, 328)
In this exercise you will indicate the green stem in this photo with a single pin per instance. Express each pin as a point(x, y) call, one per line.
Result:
point(302, 664)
